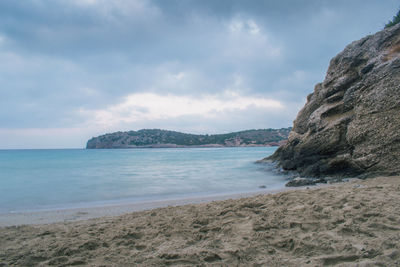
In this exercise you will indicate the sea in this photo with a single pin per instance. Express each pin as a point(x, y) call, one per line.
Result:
point(48, 179)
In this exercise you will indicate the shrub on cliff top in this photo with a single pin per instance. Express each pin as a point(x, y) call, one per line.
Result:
point(394, 21)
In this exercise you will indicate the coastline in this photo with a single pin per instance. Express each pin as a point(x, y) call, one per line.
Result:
point(86, 212)
point(355, 223)
point(273, 144)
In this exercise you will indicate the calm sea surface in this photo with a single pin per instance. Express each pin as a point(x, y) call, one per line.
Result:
point(66, 178)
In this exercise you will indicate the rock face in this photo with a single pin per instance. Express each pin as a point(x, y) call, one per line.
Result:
point(350, 124)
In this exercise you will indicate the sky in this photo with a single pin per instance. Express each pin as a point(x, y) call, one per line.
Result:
point(74, 69)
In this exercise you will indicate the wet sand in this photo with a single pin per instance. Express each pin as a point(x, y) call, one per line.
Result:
point(348, 224)
point(112, 209)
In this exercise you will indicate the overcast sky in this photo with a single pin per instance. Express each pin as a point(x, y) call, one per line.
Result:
point(73, 69)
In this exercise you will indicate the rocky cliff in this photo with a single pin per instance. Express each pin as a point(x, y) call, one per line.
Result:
point(350, 124)
point(164, 138)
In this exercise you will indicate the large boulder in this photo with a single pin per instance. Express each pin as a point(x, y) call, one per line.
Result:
point(350, 124)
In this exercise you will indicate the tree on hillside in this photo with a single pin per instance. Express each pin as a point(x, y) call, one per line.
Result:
point(394, 21)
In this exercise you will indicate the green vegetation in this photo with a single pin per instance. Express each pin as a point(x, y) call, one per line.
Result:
point(394, 21)
point(156, 137)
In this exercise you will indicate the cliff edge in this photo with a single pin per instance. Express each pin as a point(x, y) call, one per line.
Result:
point(350, 124)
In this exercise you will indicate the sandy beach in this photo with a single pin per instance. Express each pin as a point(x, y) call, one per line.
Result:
point(91, 211)
point(348, 224)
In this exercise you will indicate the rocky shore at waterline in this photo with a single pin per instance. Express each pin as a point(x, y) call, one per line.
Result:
point(350, 125)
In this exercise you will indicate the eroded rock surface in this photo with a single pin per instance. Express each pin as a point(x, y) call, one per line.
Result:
point(350, 124)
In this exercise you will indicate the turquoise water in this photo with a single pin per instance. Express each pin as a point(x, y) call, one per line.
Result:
point(49, 179)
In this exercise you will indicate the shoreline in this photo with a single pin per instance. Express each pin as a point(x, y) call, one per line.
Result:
point(72, 214)
point(355, 223)
point(184, 146)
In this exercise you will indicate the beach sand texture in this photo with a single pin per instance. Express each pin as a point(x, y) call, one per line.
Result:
point(347, 224)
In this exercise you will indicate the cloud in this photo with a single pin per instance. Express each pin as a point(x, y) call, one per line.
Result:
point(2, 39)
point(249, 26)
point(100, 65)
point(247, 41)
point(37, 138)
point(118, 10)
point(150, 107)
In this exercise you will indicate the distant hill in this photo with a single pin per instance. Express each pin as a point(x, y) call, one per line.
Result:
point(163, 138)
